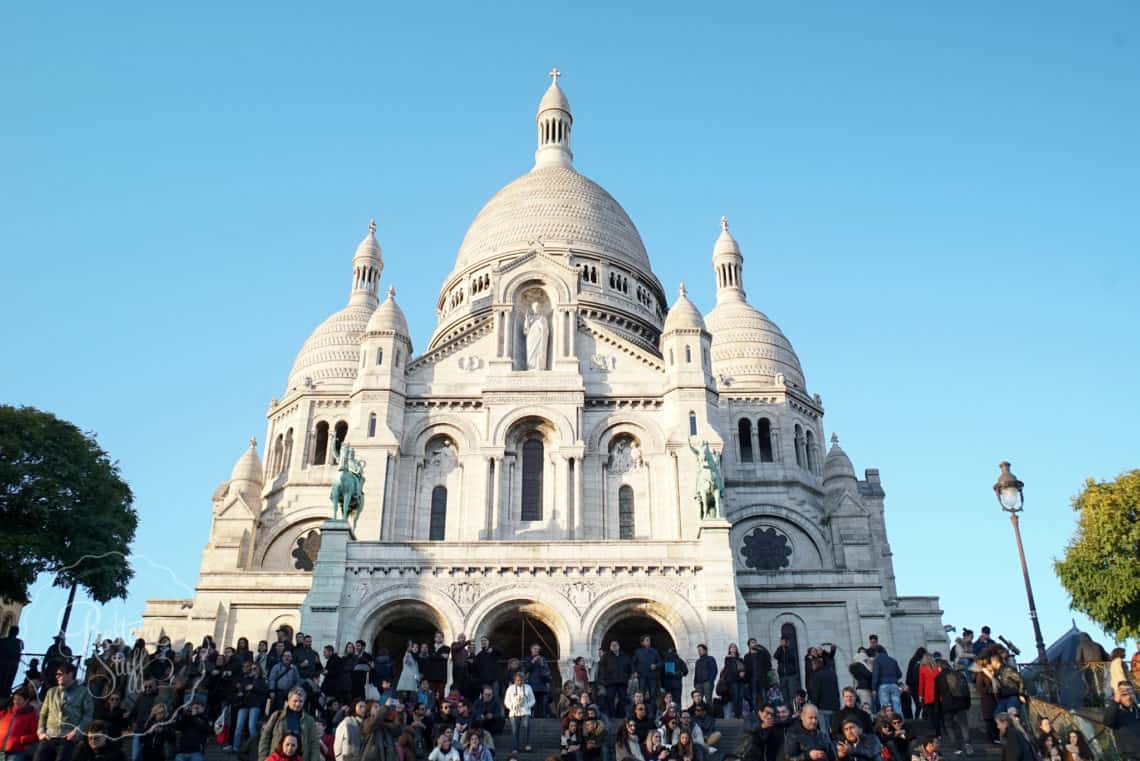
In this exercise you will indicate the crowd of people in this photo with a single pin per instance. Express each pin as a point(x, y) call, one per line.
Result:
point(462, 701)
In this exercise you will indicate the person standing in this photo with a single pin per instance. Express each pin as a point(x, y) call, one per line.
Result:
point(953, 695)
point(487, 663)
point(519, 702)
point(759, 662)
point(704, 673)
point(673, 672)
point(434, 667)
point(787, 669)
point(614, 670)
point(885, 678)
point(194, 730)
point(734, 675)
point(291, 719)
point(538, 677)
point(459, 670)
point(647, 664)
point(11, 648)
point(67, 710)
point(347, 742)
point(1015, 746)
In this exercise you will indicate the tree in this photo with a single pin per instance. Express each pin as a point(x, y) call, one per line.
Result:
point(64, 509)
point(1101, 567)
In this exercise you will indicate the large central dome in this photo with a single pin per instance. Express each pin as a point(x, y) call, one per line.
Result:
point(553, 204)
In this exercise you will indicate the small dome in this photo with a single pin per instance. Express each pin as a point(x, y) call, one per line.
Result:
point(683, 315)
point(388, 317)
point(726, 245)
point(248, 466)
point(837, 464)
point(331, 355)
point(746, 344)
point(554, 98)
point(369, 247)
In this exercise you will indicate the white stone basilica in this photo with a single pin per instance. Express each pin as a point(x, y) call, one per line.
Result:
point(531, 474)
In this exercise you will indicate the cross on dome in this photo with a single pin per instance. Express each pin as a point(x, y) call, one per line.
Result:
point(253, 442)
point(554, 74)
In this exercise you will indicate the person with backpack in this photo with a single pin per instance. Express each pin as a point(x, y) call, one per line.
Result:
point(952, 693)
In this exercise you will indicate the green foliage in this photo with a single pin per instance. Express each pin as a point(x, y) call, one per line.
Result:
point(64, 508)
point(1101, 567)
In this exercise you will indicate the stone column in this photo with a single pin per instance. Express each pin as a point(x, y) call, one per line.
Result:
point(319, 612)
point(719, 582)
point(496, 497)
point(579, 508)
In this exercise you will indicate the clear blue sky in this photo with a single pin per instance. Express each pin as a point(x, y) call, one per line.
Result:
point(937, 203)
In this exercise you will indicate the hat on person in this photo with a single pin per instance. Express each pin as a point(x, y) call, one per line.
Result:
point(967, 632)
point(985, 630)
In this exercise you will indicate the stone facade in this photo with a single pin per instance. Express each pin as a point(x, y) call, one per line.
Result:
point(536, 463)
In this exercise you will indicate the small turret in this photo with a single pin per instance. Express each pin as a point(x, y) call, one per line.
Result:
point(367, 265)
point(554, 122)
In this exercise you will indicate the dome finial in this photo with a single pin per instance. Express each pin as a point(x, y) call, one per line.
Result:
point(681, 290)
point(253, 442)
point(554, 74)
point(391, 291)
point(724, 223)
point(834, 439)
point(372, 227)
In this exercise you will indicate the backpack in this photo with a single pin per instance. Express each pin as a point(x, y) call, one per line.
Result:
point(956, 685)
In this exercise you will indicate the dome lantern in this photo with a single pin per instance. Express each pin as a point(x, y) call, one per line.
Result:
point(554, 121)
point(728, 264)
point(367, 264)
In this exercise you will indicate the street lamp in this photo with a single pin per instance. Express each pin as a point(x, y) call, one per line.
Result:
point(1011, 496)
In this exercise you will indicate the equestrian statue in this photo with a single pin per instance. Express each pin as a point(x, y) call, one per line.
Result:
point(348, 488)
point(710, 482)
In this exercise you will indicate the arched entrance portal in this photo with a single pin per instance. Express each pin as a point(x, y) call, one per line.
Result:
point(399, 623)
point(518, 626)
point(628, 631)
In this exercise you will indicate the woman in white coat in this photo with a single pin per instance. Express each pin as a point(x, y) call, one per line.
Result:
point(409, 675)
point(519, 701)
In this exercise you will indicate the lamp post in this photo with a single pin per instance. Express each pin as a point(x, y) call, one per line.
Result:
point(1011, 497)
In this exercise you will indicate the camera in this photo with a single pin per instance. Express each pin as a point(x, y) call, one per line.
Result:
point(1009, 645)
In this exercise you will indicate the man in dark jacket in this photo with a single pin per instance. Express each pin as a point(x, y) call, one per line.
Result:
point(704, 673)
point(787, 669)
point(912, 706)
point(614, 670)
point(849, 710)
point(487, 662)
point(805, 741)
point(11, 647)
point(435, 667)
point(647, 664)
point(766, 741)
point(885, 678)
point(194, 730)
point(1123, 716)
point(1015, 746)
point(759, 662)
point(823, 690)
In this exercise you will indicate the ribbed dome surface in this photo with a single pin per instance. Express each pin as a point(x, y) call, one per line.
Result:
point(746, 344)
point(388, 317)
point(837, 464)
point(553, 204)
point(248, 466)
point(331, 354)
point(683, 315)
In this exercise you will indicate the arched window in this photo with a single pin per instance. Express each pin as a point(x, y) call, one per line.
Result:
point(688, 354)
point(278, 454)
point(372, 425)
point(288, 460)
point(340, 432)
point(788, 632)
point(321, 445)
point(692, 424)
point(438, 525)
point(532, 462)
point(800, 458)
point(764, 433)
point(809, 444)
point(670, 356)
point(397, 357)
point(744, 429)
point(379, 356)
point(625, 512)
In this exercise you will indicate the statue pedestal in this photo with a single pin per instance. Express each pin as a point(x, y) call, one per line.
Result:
point(718, 572)
point(320, 611)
